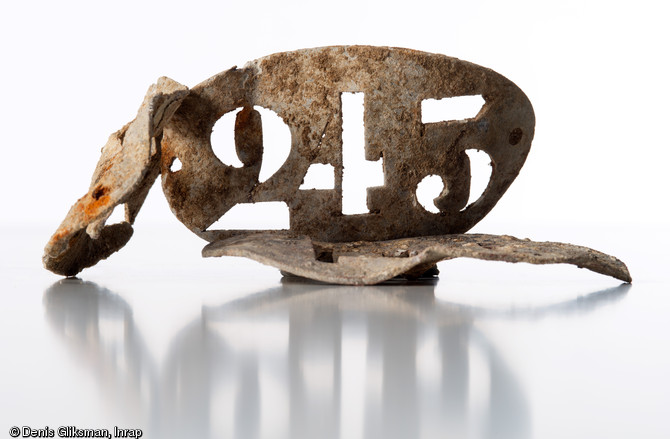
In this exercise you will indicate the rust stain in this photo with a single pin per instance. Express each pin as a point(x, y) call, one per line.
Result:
point(89, 206)
point(243, 118)
point(127, 173)
point(59, 235)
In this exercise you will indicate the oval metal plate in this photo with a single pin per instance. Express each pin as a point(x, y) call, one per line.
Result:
point(304, 88)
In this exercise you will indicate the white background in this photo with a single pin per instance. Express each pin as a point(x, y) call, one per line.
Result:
point(585, 356)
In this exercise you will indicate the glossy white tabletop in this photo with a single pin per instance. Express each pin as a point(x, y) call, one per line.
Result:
point(160, 339)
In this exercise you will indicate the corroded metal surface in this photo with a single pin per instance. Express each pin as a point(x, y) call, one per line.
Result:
point(398, 236)
point(365, 263)
point(128, 167)
point(304, 88)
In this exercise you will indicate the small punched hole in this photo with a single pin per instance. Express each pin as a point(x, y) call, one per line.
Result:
point(99, 192)
point(323, 254)
point(515, 136)
point(175, 165)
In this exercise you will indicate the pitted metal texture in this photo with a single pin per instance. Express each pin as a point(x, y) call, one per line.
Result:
point(304, 88)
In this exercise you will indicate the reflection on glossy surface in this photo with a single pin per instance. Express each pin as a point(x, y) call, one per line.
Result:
point(306, 360)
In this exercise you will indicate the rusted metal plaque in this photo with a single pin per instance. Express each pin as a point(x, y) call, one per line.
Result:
point(398, 236)
point(304, 88)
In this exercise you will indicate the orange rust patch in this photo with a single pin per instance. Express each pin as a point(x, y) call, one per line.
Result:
point(243, 118)
point(60, 234)
point(93, 208)
point(106, 167)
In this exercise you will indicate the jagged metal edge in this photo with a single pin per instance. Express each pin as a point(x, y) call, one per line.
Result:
point(367, 263)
